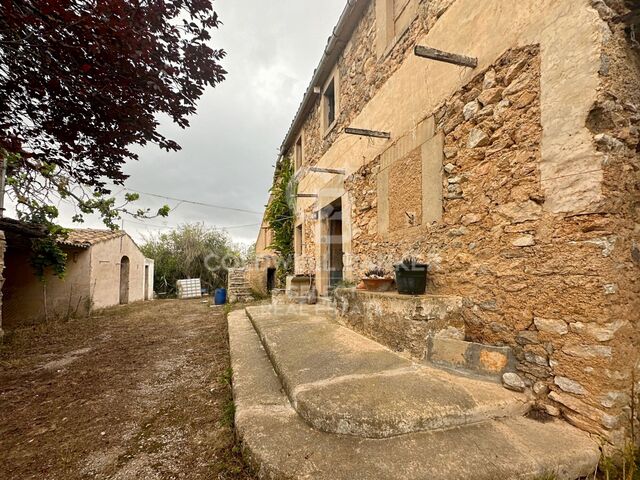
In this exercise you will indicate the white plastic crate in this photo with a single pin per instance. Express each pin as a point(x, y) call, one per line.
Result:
point(191, 288)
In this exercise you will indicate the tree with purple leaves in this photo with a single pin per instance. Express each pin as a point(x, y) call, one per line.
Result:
point(82, 81)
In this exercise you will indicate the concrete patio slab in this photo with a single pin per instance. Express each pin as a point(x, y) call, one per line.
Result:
point(281, 445)
point(342, 382)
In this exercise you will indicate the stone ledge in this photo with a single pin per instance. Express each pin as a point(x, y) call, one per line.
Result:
point(401, 322)
point(280, 445)
point(475, 358)
point(341, 382)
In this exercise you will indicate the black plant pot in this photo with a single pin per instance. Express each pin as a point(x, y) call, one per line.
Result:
point(411, 279)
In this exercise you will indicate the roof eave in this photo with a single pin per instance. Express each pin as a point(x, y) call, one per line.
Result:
point(349, 19)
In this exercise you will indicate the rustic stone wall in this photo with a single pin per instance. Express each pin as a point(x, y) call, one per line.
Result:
point(362, 73)
point(550, 286)
point(552, 274)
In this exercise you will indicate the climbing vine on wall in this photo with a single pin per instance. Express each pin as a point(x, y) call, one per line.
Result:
point(280, 215)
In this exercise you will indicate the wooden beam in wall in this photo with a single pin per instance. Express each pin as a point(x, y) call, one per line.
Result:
point(333, 171)
point(367, 133)
point(307, 195)
point(440, 56)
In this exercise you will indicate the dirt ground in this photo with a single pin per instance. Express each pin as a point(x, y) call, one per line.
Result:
point(136, 392)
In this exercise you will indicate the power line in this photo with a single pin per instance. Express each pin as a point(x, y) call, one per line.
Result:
point(221, 207)
point(215, 227)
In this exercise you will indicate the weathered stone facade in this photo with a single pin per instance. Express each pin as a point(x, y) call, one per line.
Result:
point(517, 182)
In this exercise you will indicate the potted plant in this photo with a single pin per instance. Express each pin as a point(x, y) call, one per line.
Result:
point(411, 277)
point(377, 280)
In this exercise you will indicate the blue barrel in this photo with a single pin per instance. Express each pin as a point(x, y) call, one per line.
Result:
point(221, 296)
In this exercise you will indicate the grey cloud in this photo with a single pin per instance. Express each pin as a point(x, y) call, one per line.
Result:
point(229, 150)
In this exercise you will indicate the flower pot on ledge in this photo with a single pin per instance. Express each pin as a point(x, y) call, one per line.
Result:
point(378, 284)
point(411, 278)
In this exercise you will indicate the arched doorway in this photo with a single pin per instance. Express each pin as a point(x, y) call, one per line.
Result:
point(124, 280)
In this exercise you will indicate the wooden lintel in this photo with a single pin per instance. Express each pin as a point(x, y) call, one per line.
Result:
point(440, 56)
point(307, 195)
point(333, 171)
point(367, 133)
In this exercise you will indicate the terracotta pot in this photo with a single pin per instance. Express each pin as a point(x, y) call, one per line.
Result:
point(378, 284)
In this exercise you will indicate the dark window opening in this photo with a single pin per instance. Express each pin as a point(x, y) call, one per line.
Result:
point(330, 103)
point(298, 238)
point(298, 153)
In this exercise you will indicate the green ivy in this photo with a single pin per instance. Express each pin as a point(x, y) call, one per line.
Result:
point(280, 215)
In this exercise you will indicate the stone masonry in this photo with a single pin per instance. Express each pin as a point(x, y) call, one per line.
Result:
point(517, 182)
point(238, 288)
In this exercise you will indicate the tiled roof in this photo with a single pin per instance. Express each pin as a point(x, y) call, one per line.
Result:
point(86, 237)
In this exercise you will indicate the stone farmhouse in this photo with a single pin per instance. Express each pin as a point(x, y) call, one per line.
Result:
point(498, 142)
point(104, 268)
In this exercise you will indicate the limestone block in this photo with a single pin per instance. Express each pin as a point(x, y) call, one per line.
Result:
point(524, 241)
point(588, 351)
point(552, 410)
point(470, 219)
point(514, 70)
point(615, 400)
point(540, 388)
point(490, 96)
point(577, 406)
point(536, 359)
point(513, 381)
point(569, 386)
point(517, 85)
point(527, 337)
point(520, 212)
point(450, 168)
point(547, 325)
point(489, 79)
point(602, 333)
point(478, 138)
point(483, 359)
point(470, 110)
point(608, 143)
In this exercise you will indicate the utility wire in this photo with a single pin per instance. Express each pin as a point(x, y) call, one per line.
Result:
point(215, 227)
point(221, 207)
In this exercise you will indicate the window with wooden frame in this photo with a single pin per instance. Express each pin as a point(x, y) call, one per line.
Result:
point(330, 103)
point(298, 153)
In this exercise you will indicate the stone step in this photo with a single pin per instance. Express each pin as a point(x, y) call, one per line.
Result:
point(326, 301)
point(341, 382)
point(280, 444)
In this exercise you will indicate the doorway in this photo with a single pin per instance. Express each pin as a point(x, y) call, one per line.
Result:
point(124, 280)
point(333, 215)
point(146, 282)
point(271, 279)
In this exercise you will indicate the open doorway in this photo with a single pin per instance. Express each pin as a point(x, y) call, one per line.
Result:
point(146, 282)
point(124, 280)
point(271, 279)
point(333, 215)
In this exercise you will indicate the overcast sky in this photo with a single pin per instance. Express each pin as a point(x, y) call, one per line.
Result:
point(229, 151)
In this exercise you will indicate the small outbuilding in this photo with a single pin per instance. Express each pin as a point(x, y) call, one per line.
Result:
point(104, 268)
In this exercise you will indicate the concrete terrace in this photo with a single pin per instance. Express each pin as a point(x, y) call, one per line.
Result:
point(317, 400)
